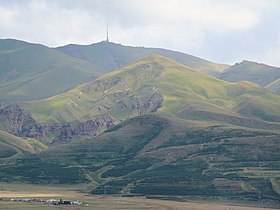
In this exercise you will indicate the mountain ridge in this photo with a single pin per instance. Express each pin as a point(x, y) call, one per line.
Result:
point(34, 68)
point(119, 56)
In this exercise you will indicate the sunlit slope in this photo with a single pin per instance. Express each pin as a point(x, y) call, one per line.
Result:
point(32, 71)
point(158, 84)
point(12, 146)
point(108, 56)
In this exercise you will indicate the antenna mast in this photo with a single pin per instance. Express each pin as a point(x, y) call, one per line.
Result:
point(107, 40)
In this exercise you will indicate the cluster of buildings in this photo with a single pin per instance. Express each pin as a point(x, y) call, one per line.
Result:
point(49, 201)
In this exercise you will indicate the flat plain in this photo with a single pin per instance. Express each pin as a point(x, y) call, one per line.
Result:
point(8, 191)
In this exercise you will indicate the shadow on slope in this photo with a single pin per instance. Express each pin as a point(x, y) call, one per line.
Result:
point(154, 155)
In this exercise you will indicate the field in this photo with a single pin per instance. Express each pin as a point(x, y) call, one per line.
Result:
point(102, 202)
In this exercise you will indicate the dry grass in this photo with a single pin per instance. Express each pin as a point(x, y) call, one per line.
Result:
point(96, 202)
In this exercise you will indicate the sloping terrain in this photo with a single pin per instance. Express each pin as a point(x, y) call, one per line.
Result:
point(153, 155)
point(274, 86)
point(158, 84)
point(169, 131)
point(32, 71)
point(12, 146)
point(157, 126)
point(108, 56)
point(251, 71)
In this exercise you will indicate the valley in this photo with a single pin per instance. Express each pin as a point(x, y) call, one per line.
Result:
point(104, 201)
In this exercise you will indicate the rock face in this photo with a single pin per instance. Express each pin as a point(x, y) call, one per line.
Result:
point(151, 104)
point(91, 127)
point(14, 120)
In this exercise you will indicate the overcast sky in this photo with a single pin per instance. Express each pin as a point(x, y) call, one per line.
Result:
point(225, 31)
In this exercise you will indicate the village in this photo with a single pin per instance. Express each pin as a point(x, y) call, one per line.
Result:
point(51, 201)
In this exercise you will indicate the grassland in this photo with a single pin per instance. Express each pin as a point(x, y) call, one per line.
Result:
point(105, 202)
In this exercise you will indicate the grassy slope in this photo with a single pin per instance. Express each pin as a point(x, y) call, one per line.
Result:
point(274, 86)
point(12, 146)
point(31, 68)
point(152, 155)
point(186, 93)
point(251, 71)
point(163, 156)
point(110, 56)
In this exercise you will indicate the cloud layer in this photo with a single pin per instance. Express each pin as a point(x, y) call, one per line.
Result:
point(221, 30)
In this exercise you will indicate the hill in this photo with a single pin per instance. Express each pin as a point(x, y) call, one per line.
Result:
point(158, 84)
point(33, 71)
point(12, 146)
point(161, 156)
point(108, 56)
point(251, 71)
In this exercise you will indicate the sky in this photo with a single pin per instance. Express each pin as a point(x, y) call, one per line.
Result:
point(223, 31)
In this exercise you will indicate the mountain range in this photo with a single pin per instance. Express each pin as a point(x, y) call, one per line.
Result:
point(139, 121)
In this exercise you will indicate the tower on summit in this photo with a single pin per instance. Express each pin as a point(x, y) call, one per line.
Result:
point(107, 38)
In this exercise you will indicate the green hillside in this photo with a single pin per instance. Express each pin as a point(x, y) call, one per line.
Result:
point(251, 71)
point(155, 155)
point(179, 132)
point(274, 86)
point(108, 56)
point(158, 84)
point(12, 146)
point(32, 71)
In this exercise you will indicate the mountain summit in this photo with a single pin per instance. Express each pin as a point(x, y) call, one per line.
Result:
point(108, 56)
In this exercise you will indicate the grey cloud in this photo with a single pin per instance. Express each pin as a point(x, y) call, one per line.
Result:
point(224, 31)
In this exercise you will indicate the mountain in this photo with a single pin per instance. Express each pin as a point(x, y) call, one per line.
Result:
point(251, 71)
point(108, 56)
point(158, 84)
point(33, 71)
point(153, 127)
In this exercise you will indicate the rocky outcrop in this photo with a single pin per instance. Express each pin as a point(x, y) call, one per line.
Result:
point(15, 121)
point(140, 105)
point(91, 127)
